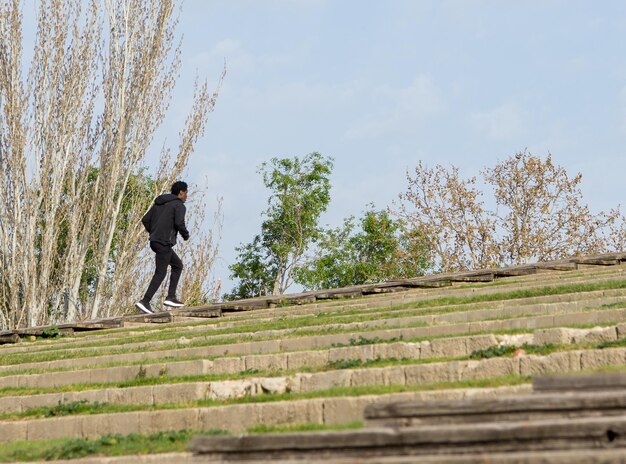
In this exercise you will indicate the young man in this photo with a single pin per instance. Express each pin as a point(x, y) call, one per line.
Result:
point(164, 221)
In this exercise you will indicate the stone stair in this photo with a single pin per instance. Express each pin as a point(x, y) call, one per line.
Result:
point(323, 362)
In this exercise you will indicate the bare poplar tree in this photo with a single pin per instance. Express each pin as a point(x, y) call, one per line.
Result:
point(73, 136)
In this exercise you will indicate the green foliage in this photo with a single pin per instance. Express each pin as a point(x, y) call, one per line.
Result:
point(381, 249)
point(300, 193)
point(51, 332)
point(251, 268)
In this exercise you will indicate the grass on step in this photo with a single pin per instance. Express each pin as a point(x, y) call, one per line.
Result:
point(108, 445)
point(309, 427)
point(616, 305)
point(123, 445)
point(612, 344)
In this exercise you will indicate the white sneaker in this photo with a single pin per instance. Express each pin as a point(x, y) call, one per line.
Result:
point(144, 306)
point(173, 302)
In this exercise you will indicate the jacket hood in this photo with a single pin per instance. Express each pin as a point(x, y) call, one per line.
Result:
point(165, 198)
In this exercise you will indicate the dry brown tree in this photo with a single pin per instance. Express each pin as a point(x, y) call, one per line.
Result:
point(541, 211)
point(539, 215)
point(74, 132)
point(448, 213)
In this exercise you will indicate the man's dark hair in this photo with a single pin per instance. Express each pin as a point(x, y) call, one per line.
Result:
point(179, 186)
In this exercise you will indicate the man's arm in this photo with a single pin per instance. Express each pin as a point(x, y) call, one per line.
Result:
point(179, 221)
point(147, 218)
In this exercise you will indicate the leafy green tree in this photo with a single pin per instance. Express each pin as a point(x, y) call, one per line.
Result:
point(300, 193)
point(252, 271)
point(381, 249)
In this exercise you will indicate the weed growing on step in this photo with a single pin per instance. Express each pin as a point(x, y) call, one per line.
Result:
point(373, 341)
point(433, 305)
point(616, 305)
point(384, 362)
point(249, 372)
point(493, 352)
point(51, 332)
point(500, 351)
point(61, 409)
point(346, 364)
point(494, 382)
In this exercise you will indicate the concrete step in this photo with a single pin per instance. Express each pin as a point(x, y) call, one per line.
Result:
point(594, 456)
point(235, 418)
point(412, 296)
point(372, 302)
point(450, 440)
point(431, 323)
point(318, 342)
point(437, 348)
point(462, 346)
point(163, 458)
point(530, 407)
point(578, 456)
point(205, 329)
point(409, 375)
point(613, 382)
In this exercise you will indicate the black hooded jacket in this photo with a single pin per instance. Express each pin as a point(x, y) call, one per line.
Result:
point(165, 219)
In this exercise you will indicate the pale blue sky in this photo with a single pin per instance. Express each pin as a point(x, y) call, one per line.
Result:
point(379, 85)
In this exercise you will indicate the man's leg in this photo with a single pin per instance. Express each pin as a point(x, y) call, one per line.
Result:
point(163, 255)
point(177, 269)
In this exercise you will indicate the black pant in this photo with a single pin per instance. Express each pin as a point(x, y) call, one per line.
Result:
point(165, 256)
